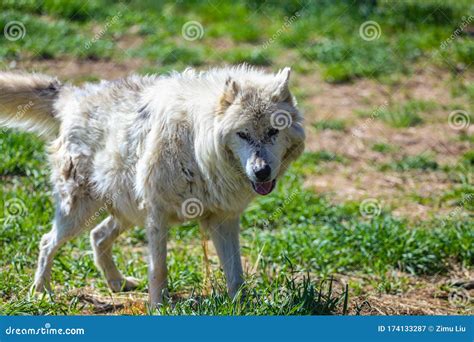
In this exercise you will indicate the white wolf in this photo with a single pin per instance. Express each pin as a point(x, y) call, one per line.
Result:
point(154, 151)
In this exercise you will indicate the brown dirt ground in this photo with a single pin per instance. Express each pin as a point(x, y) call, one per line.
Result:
point(78, 70)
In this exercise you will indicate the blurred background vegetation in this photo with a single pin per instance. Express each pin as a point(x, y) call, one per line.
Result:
point(381, 201)
point(323, 36)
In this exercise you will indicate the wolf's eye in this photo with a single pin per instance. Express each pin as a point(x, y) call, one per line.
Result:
point(272, 132)
point(243, 136)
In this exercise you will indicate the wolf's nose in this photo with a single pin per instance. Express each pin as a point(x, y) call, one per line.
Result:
point(263, 173)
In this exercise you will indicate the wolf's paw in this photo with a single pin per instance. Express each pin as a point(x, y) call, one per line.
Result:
point(39, 292)
point(40, 287)
point(124, 285)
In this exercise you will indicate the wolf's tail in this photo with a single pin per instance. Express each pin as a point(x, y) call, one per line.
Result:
point(27, 102)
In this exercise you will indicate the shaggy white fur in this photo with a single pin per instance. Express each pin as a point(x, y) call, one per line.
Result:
point(154, 151)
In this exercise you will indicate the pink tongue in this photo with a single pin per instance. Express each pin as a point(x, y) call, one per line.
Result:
point(264, 188)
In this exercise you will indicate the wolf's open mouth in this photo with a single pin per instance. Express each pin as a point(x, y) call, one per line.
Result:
point(264, 188)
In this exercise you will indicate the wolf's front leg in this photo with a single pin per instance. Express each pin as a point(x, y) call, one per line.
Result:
point(224, 233)
point(157, 229)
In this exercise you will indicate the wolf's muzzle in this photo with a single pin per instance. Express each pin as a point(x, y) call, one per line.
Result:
point(262, 174)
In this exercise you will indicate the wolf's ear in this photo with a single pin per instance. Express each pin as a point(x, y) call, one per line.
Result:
point(282, 92)
point(231, 90)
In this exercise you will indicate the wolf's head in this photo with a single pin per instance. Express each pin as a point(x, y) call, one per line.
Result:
point(261, 127)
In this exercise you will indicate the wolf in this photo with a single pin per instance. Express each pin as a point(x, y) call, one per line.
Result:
point(154, 151)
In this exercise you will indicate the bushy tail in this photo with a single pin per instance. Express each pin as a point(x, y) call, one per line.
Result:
point(27, 100)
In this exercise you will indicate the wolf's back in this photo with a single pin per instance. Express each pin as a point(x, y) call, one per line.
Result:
point(27, 102)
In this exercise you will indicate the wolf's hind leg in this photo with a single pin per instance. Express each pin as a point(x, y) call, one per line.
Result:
point(65, 228)
point(102, 239)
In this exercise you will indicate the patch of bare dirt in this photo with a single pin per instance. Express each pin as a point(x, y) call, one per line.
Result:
point(338, 101)
point(361, 176)
point(131, 303)
point(74, 70)
point(130, 41)
point(427, 83)
point(434, 295)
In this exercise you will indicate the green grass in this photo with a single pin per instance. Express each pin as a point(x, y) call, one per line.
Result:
point(325, 35)
point(463, 136)
point(468, 158)
point(169, 54)
point(249, 55)
point(45, 40)
point(419, 162)
point(345, 60)
point(407, 114)
point(75, 10)
point(310, 161)
point(461, 195)
point(402, 118)
point(25, 158)
point(268, 296)
point(384, 148)
point(402, 115)
point(336, 125)
point(308, 235)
